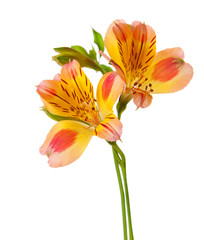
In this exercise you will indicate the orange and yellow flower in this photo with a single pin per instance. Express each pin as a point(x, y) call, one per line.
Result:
point(70, 95)
point(132, 49)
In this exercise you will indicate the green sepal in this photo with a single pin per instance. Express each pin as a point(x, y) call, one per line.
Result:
point(60, 118)
point(122, 103)
point(67, 54)
point(98, 40)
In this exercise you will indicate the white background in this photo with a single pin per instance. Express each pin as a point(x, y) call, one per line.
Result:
point(163, 143)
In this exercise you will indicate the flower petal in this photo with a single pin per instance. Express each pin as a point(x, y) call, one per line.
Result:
point(72, 96)
point(118, 41)
point(109, 129)
point(142, 99)
point(57, 77)
point(143, 51)
point(170, 73)
point(132, 48)
point(65, 142)
point(109, 89)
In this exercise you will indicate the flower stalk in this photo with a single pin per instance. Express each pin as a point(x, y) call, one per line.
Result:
point(122, 195)
point(120, 164)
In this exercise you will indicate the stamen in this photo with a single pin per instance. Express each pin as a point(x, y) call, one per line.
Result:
point(90, 108)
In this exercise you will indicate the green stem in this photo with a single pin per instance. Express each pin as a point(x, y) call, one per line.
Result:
point(127, 202)
point(101, 69)
point(122, 164)
point(115, 155)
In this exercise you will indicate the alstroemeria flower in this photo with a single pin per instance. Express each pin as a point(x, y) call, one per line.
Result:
point(70, 95)
point(132, 49)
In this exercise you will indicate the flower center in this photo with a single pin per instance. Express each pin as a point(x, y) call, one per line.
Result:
point(90, 113)
point(142, 84)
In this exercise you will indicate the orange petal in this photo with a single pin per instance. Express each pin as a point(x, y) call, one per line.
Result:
point(142, 53)
point(109, 129)
point(142, 99)
point(73, 76)
point(57, 77)
point(132, 48)
point(72, 96)
point(170, 73)
point(118, 42)
point(65, 142)
point(109, 89)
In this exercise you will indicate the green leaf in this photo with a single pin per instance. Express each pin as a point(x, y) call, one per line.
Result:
point(92, 54)
point(98, 40)
point(80, 49)
point(106, 68)
point(61, 59)
point(67, 54)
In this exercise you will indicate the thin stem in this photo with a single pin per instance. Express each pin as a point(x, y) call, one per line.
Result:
point(127, 202)
point(100, 68)
point(122, 163)
point(121, 193)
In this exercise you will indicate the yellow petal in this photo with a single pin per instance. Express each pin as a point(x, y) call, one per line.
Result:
point(169, 72)
point(132, 48)
point(72, 96)
point(109, 129)
point(109, 89)
point(118, 41)
point(65, 142)
point(143, 51)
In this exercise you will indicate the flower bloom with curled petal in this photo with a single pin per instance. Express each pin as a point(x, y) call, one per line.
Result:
point(132, 49)
point(70, 95)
